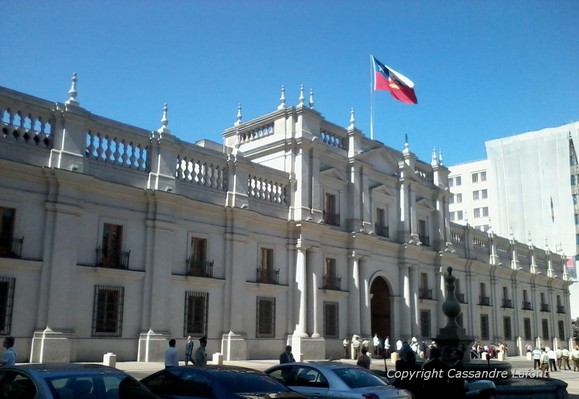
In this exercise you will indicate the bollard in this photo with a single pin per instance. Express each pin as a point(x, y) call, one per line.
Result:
point(110, 359)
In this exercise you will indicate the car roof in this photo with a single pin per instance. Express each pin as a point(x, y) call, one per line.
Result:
point(321, 363)
point(65, 368)
point(221, 368)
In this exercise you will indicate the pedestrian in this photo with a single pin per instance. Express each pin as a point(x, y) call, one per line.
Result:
point(200, 358)
point(189, 351)
point(536, 358)
point(376, 343)
point(287, 356)
point(364, 359)
point(552, 359)
point(356, 344)
point(346, 344)
point(544, 363)
point(171, 355)
point(559, 354)
point(565, 359)
point(575, 358)
point(456, 384)
point(438, 373)
point(9, 358)
point(407, 363)
point(387, 347)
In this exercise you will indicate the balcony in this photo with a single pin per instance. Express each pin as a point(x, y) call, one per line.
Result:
point(460, 298)
point(484, 301)
point(424, 293)
point(545, 307)
point(199, 268)
point(381, 230)
point(267, 276)
point(560, 309)
point(424, 240)
point(527, 305)
point(112, 259)
point(507, 303)
point(11, 247)
point(332, 219)
point(332, 283)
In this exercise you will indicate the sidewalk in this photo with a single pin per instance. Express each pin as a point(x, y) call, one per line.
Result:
point(520, 366)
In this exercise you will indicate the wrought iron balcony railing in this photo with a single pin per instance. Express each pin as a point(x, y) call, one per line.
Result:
point(112, 259)
point(484, 301)
point(560, 309)
point(527, 305)
point(11, 247)
point(268, 276)
point(460, 297)
point(199, 268)
point(507, 303)
point(332, 283)
point(425, 293)
point(332, 219)
point(545, 307)
point(381, 230)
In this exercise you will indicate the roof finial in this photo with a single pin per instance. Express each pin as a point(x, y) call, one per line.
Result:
point(72, 92)
point(301, 94)
point(440, 156)
point(352, 119)
point(406, 147)
point(238, 121)
point(282, 98)
point(434, 159)
point(164, 120)
point(312, 98)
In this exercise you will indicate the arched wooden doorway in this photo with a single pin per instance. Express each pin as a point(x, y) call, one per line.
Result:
point(380, 308)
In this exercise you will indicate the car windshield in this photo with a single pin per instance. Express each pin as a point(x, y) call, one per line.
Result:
point(358, 378)
point(109, 386)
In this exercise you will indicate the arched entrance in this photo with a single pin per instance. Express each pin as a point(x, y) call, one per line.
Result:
point(380, 308)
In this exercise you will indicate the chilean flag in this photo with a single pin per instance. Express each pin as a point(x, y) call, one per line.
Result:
point(398, 85)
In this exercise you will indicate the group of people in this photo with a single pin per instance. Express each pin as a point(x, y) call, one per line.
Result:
point(439, 380)
point(197, 358)
point(549, 359)
point(490, 351)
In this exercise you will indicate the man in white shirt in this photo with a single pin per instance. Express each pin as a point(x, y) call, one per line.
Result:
point(536, 358)
point(9, 358)
point(171, 355)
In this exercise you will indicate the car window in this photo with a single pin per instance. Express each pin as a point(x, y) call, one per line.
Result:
point(284, 374)
point(178, 381)
point(117, 386)
point(358, 378)
point(16, 385)
point(310, 377)
point(249, 382)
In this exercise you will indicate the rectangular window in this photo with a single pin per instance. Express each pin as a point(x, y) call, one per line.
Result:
point(484, 194)
point(484, 327)
point(459, 215)
point(196, 304)
point(474, 177)
point(507, 328)
point(266, 272)
point(485, 211)
point(331, 216)
point(545, 325)
point(561, 326)
point(475, 195)
point(452, 216)
point(198, 265)
point(459, 198)
point(477, 212)
point(423, 232)
point(7, 216)
point(458, 180)
point(483, 176)
point(107, 311)
point(6, 303)
point(451, 199)
point(527, 328)
point(381, 225)
point(450, 181)
point(331, 280)
point(265, 317)
point(111, 251)
point(425, 323)
point(331, 319)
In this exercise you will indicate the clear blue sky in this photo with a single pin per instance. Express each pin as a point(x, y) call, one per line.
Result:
point(482, 69)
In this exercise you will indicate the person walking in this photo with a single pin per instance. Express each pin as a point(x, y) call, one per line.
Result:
point(565, 359)
point(171, 355)
point(189, 351)
point(200, 358)
point(9, 358)
point(536, 358)
point(575, 358)
point(552, 360)
point(287, 356)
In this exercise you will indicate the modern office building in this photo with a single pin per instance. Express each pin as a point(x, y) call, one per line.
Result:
point(295, 230)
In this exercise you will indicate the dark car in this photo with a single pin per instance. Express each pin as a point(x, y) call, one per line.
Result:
point(69, 381)
point(335, 380)
point(219, 382)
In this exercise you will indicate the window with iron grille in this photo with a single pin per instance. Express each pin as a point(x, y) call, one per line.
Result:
point(527, 328)
point(425, 323)
point(196, 304)
point(484, 326)
point(197, 264)
point(331, 319)
point(545, 325)
point(107, 318)
point(507, 327)
point(6, 302)
point(561, 326)
point(111, 253)
point(265, 317)
point(331, 216)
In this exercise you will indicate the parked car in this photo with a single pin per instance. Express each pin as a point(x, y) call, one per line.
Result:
point(218, 382)
point(69, 381)
point(335, 380)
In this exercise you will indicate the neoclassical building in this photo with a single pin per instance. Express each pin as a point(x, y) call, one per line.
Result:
point(294, 230)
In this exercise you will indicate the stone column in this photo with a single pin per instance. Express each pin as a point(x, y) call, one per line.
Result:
point(414, 313)
point(301, 297)
point(405, 317)
point(314, 270)
point(496, 303)
point(365, 308)
point(355, 293)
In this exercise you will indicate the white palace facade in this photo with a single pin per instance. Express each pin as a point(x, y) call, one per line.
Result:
point(294, 231)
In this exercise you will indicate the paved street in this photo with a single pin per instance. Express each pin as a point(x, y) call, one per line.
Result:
point(520, 366)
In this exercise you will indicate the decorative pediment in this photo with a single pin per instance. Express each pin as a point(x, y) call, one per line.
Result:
point(382, 190)
point(334, 174)
point(425, 203)
point(381, 160)
point(407, 173)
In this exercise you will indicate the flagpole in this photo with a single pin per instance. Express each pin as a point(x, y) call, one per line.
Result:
point(371, 97)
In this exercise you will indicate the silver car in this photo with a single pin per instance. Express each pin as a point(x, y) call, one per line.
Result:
point(335, 380)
